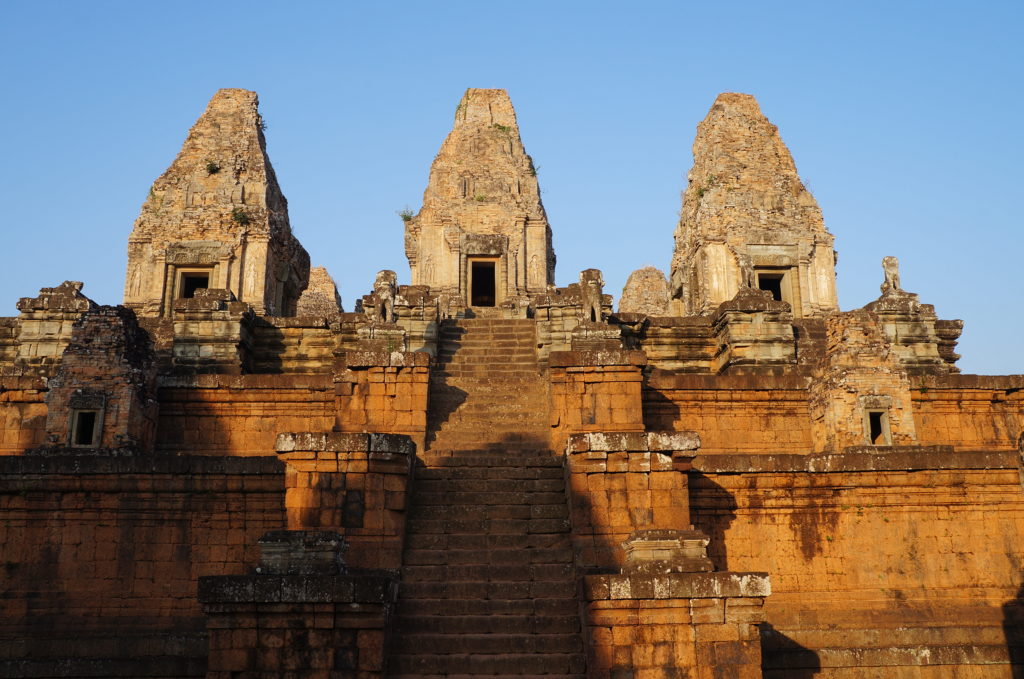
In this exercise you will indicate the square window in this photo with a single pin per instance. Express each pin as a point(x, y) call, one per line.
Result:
point(190, 281)
point(85, 428)
point(877, 428)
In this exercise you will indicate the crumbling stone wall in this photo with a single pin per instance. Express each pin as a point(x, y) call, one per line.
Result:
point(321, 297)
point(108, 371)
point(646, 292)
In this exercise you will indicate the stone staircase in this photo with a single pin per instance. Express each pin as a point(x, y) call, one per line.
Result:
point(488, 582)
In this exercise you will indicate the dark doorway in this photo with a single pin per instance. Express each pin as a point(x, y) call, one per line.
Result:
point(190, 282)
point(878, 427)
point(481, 276)
point(772, 283)
point(84, 428)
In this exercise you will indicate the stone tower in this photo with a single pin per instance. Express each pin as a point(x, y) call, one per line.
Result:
point(217, 219)
point(482, 233)
point(748, 220)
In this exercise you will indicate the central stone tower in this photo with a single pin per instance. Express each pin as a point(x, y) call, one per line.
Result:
point(747, 219)
point(482, 233)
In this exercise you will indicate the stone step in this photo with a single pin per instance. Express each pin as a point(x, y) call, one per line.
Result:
point(446, 472)
point(542, 572)
point(449, 445)
point(422, 607)
point(494, 512)
point(494, 461)
point(494, 405)
point(532, 434)
point(490, 526)
point(496, 557)
point(489, 624)
point(457, 433)
point(393, 675)
point(490, 322)
point(445, 644)
point(489, 664)
point(482, 541)
point(424, 499)
point(493, 591)
point(489, 485)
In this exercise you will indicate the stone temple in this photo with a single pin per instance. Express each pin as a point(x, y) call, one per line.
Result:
point(482, 474)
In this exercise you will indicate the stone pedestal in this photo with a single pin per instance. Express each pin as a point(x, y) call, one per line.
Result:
point(626, 482)
point(698, 625)
point(299, 616)
point(352, 484)
point(382, 391)
point(596, 391)
point(213, 333)
point(754, 334)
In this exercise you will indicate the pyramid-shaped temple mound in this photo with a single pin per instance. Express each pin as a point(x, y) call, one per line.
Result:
point(482, 474)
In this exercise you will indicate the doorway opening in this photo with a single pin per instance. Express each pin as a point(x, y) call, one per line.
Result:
point(771, 283)
point(878, 428)
point(191, 281)
point(84, 432)
point(481, 283)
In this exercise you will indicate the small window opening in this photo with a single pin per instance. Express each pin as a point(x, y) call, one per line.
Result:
point(84, 428)
point(772, 282)
point(190, 282)
point(482, 284)
point(878, 428)
point(593, 316)
point(383, 313)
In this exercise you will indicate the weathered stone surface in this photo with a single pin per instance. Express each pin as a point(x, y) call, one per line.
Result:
point(861, 394)
point(44, 327)
point(646, 292)
point(922, 343)
point(482, 202)
point(103, 396)
point(217, 212)
point(747, 219)
point(321, 297)
point(532, 464)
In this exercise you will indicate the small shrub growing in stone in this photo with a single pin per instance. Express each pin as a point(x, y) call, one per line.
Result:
point(240, 217)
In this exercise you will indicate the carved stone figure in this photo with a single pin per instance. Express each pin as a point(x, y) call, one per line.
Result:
point(385, 286)
point(891, 266)
point(591, 293)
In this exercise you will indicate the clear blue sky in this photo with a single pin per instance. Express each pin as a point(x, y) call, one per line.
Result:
point(905, 120)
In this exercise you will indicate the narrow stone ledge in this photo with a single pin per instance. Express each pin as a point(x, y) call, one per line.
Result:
point(654, 441)
point(352, 589)
point(662, 379)
point(676, 586)
point(385, 359)
point(570, 359)
point(103, 462)
point(902, 458)
point(212, 381)
point(396, 444)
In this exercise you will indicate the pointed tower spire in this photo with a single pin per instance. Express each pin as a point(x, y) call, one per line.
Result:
point(748, 220)
point(482, 232)
point(217, 219)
